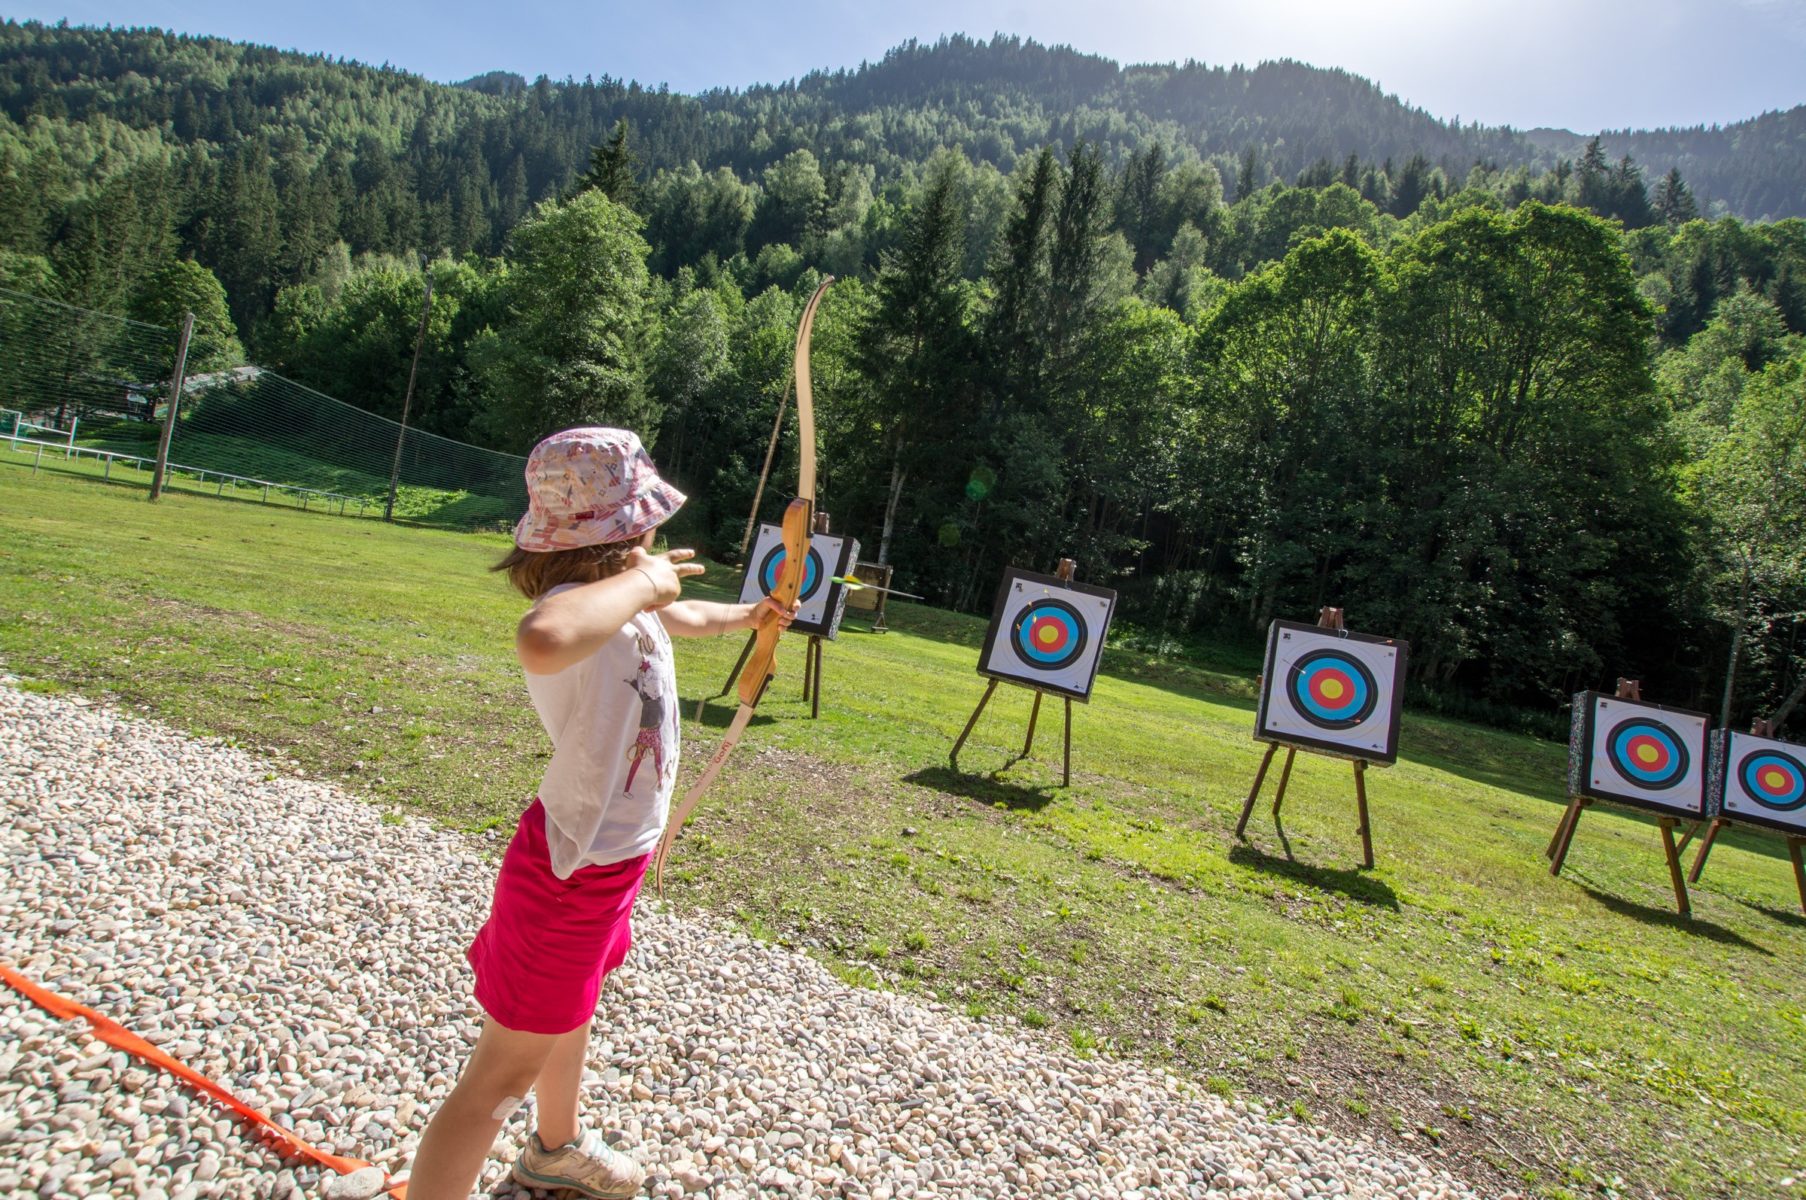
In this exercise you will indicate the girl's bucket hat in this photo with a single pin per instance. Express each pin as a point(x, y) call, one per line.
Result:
point(591, 486)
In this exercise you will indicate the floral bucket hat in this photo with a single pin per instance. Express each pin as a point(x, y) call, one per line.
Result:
point(591, 486)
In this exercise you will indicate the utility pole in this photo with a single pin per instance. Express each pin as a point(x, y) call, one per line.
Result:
point(407, 401)
point(176, 379)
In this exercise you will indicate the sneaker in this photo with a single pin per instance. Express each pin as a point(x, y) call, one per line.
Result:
point(588, 1165)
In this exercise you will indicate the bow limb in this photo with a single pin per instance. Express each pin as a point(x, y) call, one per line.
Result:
point(799, 522)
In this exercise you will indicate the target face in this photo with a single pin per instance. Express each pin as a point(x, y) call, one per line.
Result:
point(1647, 753)
point(1640, 754)
point(771, 572)
point(1764, 782)
point(1332, 690)
point(1046, 633)
point(823, 603)
point(1049, 634)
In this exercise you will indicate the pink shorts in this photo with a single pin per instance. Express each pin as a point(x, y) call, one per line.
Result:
point(541, 957)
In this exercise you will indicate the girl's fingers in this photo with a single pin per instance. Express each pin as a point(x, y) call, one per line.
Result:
point(678, 556)
point(684, 572)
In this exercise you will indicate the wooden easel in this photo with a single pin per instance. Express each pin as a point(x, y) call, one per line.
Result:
point(812, 658)
point(1557, 853)
point(1065, 571)
point(1796, 843)
point(1328, 618)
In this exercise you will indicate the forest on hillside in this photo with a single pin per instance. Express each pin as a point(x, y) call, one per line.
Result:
point(1242, 342)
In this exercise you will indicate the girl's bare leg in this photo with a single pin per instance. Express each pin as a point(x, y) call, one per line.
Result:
point(502, 1067)
point(559, 1088)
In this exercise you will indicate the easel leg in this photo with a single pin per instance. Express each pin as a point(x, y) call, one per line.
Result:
point(1794, 846)
point(1066, 762)
point(1681, 904)
point(1564, 834)
point(815, 650)
point(1687, 837)
point(808, 668)
point(967, 731)
point(1360, 770)
point(1260, 777)
point(1285, 777)
point(739, 663)
point(1034, 714)
point(1561, 827)
point(1705, 848)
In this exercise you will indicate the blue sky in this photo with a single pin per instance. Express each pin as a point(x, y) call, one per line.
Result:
point(1581, 64)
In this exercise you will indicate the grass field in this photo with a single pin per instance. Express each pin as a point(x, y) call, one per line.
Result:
point(1563, 1037)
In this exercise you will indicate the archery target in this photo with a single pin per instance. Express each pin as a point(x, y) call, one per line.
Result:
point(1332, 690)
point(822, 601)
point(1047, 633)
point(1764, 782)
point(1643, 754)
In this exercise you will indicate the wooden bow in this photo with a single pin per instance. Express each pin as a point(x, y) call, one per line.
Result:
point(799, 519)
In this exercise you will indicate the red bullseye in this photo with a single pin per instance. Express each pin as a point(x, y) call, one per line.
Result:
point(1331, 688)
point(1773, 781)
point(1048, 635)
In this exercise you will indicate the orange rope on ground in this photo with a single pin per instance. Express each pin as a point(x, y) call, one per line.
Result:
point(118, 1036)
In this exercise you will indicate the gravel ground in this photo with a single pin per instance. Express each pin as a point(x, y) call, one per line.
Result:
point(281, 937)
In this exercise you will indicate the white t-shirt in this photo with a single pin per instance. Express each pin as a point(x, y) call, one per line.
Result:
point(613, 723)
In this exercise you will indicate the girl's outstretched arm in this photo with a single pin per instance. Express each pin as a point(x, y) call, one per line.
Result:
point(567, 628)
point(706, 618)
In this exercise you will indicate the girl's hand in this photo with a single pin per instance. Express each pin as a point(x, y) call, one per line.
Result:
point(666, 572)
point(755, 615)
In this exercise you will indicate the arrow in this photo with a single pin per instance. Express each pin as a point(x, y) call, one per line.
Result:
point(854, 585)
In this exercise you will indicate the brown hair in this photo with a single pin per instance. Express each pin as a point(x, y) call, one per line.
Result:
point(536, 572)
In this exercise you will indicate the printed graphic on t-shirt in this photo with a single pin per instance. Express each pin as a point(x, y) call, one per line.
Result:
point(655, 711)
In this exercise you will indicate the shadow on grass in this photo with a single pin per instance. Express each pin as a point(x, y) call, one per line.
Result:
point(1354, 883)
point(1667, 918)
point(719, 714)
point(985, 788)
point(1785, 916)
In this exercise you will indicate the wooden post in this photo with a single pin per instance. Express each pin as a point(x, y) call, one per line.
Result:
point(1260, 777)
point(1794, 845)
point(1034, 714)
point(176, 379)
point(973, 720)
point(1681, 902)
point(1066, 762)
point(1066, 569)
point(808, 667)
point(815, 650)
point(1360, 773)
point(1705, 848)
point(1565, 834)
point(771, 450)
point(1285, 777)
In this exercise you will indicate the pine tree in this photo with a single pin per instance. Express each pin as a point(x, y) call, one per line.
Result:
point(1673, 201)
point(611, 168)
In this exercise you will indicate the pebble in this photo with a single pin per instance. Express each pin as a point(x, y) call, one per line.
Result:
point(274, 933)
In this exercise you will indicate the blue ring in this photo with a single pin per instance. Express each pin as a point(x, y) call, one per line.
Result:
point(1755, 761)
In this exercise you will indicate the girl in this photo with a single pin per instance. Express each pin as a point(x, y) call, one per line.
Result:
point(598, 663)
